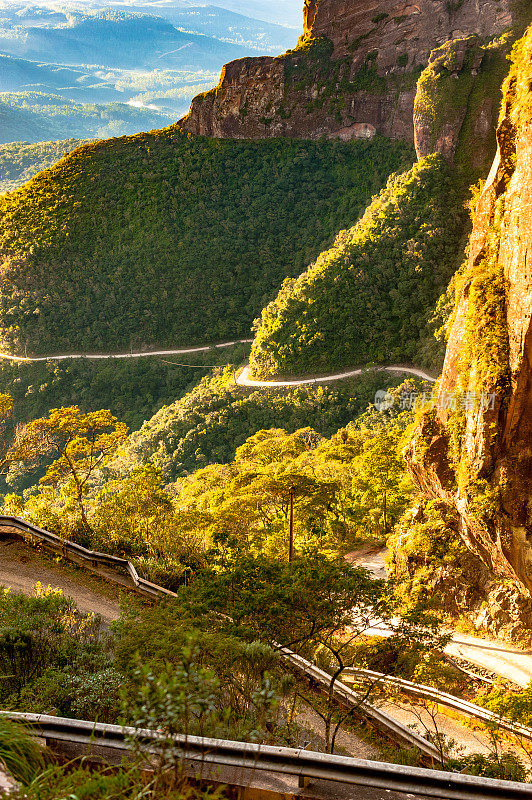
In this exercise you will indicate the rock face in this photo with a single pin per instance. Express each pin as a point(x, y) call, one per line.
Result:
point(474, 451)
point(354, 71)
point(394, 28)
point(460, 88)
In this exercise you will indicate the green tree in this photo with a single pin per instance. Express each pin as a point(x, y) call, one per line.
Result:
point(381, 488)
point(80, 443)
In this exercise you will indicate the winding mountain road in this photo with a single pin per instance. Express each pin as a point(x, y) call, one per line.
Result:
point(111, 356)
point(244, 380)
point(23, 566)
point(496, 657)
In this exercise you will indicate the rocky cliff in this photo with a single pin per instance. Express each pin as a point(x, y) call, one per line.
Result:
point(473, 451)
point(353, 73)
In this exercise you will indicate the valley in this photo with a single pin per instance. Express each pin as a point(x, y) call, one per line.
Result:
point(265, 406)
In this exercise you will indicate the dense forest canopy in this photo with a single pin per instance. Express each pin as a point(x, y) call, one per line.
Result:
point(371, 296)
point(164, 238)
point(20, 161)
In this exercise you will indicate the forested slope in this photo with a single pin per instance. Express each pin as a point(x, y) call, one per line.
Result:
point(370, 297)
point(168, 239)
point(20, 161)
point(210, 422)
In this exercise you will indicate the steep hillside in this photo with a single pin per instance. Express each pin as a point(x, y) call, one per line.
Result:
point(473, 452)
point(370, 297)
point(20, 161)
point(457, 102)
point(210, 422)
point(164, 238)
point(132, 389)
point(353, 73)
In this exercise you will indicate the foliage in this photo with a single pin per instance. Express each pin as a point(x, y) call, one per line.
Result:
point(133, 389)
point(39, 633)
point(244, 505)
point(368, 298)
point(173, 239)
point(294, 605)
point(503, 766)
point(216, 683)
point(20, 161)
point(208, 424)
point(351, 486)
point(423, 544)
point(78, 443)
point(514, 705)
point(516, 87)
point(109, 783)
point(451, 93)
point(19, 751)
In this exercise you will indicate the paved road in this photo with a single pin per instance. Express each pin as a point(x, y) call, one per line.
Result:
point(107, 356)
point(244, 380)
point(496, 657)
point(22, 566)
point(371, 558)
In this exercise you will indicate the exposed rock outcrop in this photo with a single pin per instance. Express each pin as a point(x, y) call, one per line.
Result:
point(354, 71)
point(457, 102)
point(474, 451)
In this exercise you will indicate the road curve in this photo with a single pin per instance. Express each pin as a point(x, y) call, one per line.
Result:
point(244, 380)
point(498, 658)
point(108, 356)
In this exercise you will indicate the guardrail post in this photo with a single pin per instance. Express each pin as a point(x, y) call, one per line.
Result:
point(303, 781)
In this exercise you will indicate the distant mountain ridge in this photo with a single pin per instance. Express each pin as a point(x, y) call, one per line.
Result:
point(119, 39)
point(38, 117)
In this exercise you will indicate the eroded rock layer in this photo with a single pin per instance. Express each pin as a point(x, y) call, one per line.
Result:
point(354, 71)
point(474, 451)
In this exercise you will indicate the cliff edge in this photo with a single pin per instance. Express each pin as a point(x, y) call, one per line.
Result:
point(474, 449)
point(353, 73)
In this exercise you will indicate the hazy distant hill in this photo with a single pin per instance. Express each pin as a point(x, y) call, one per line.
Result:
point(155, 56)
point(20, 161)
point(75, 83)
point(118, 39)
point(282, 12)
point(37, 117)
point(228, 26)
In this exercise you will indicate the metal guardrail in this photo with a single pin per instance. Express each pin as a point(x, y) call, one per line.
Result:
point(279, 760)
point(92, 557)
point(445, 699)
point(384, 722)
point(351, 699)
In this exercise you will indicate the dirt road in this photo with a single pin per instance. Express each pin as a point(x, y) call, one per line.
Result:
point(22, 566)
